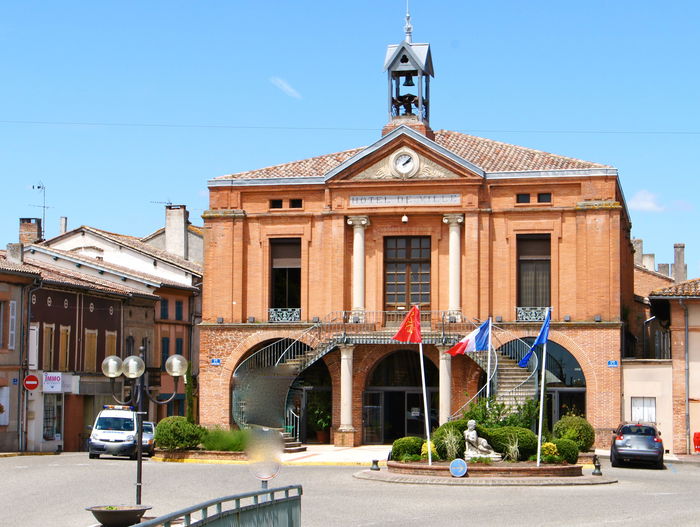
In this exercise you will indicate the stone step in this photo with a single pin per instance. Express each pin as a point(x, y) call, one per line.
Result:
point(294, 449)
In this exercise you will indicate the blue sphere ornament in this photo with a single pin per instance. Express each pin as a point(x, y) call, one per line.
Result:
point(458, 468)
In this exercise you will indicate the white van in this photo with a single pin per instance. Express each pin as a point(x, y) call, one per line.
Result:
point(114, 432)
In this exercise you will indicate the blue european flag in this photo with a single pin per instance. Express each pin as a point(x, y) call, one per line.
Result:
point(541, 339)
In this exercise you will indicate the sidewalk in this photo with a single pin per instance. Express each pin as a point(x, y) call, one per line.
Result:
point(693, 459)
point(331, 455)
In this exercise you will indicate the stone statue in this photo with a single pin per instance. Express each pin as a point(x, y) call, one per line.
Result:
point(477, 446)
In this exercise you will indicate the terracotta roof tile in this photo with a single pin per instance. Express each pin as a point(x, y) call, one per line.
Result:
point(687, 288)
point(490, 155)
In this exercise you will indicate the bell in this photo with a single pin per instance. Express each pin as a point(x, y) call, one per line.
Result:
point(408, 81)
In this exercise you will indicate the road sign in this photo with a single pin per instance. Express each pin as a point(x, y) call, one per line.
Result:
point(458, 468)
point(31, 382)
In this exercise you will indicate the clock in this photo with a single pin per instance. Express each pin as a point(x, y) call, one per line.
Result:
point(405, 164)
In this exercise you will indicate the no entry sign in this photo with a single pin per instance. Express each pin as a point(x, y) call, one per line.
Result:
point(31, 382)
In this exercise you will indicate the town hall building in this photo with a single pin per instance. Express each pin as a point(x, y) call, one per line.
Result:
point(310, 266)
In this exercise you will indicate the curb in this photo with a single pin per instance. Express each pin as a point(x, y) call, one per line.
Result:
point(283, 463)
point(17, 454)
point(482, 482)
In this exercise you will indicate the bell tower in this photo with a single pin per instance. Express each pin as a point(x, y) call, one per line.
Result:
point(409, 67)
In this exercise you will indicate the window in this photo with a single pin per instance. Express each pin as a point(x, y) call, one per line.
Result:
point(48, 347)
point(164, 309)
point(275, 203)
point(53, 417)
point(178, 309)
point(2, 324)
point(534, 255)
point(129, 351)
point(179, 346)
point(164, 352)
point(296, 203)
point(8, 332)
point(406, 272)
point(110, 343)
point(90, 350)
point(63, 347)
point(644, 409)
point(544, 197)
point(522, 198)
point(285, 275)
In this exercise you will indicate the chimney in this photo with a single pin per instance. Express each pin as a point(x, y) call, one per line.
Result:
point(637, 244)
point(649, 261)
point(62, 225)
point(176, 222)
point(29, 230)
point(15, 253)
point(664, 269)
point(680, 269)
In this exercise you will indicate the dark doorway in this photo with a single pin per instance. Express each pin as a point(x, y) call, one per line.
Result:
point(393, 400)
point(285, 275)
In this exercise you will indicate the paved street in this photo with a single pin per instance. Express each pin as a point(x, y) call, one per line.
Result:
point(54, 490)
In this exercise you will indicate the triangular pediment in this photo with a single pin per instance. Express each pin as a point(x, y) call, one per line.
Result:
point(418, 55)
point(404, 155)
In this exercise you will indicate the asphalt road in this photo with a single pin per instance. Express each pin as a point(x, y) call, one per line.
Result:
point(54, 491)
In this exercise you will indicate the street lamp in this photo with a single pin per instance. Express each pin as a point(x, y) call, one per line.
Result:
point(133, 368)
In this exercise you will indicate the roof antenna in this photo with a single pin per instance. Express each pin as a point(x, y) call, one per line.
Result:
point(408, 28)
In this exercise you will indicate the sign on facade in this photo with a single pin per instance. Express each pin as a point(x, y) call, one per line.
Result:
point(613, 364)
point(53, 382)
point(216, 362)
point(403, 201)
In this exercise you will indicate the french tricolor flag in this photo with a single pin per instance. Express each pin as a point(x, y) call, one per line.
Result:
point(477, 340)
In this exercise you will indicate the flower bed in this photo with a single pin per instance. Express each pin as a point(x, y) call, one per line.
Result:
point(522, 469)
point(200, 455)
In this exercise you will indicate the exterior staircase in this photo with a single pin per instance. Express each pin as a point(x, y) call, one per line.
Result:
point(291, 445)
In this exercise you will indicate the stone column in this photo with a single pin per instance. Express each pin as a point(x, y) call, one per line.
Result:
point(359, 223)
point(345, 436)
point(454, 299)
point(445, 385)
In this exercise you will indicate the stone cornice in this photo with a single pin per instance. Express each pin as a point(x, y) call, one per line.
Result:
point(223, 213)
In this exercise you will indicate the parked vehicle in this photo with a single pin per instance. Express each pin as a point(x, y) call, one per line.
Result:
point(114, 432)
point(148, 444)
point(637, 442)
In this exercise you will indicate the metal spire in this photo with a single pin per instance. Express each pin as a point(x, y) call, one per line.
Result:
point(408, 27)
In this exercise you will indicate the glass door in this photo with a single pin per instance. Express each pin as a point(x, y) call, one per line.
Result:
point(372, 418)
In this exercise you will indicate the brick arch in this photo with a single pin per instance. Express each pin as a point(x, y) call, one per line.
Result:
point(369, 362)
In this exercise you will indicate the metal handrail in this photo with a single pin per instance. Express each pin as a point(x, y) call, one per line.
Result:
point(202, 509)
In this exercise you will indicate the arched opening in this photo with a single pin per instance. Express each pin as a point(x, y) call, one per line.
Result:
point(309, 403)
point(565, 383)
point(393, 398)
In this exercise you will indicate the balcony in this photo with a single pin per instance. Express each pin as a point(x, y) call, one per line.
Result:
point(284, 314)
point(530, 314)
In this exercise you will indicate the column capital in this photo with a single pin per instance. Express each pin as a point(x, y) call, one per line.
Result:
point(453, 218)
point(359, 221)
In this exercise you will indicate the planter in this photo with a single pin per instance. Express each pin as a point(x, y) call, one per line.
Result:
point(523, 469)
point(323, 436)
point(199, 455)
point(118, 515)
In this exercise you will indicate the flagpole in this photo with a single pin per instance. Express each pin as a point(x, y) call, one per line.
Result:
point(488, 367)
point(539, 432)
point(425, 404)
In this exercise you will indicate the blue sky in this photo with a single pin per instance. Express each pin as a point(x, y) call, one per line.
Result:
point(117, 106)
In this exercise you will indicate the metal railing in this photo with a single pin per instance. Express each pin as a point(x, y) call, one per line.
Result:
point(284, 314)
point(292, 424)
point(530, 314)
point(280, 507)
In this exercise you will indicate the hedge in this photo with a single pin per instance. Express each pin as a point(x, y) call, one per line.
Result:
point(567, 449)
point(577, 429)
point(438, 437)
point(406, 446)
point(499, 438)
point(177, 433)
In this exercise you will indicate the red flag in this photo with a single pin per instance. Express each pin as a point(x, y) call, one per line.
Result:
point(410, 327)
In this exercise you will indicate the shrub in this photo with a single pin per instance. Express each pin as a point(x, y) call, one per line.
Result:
point(424, 450)
point(492, 414)
point(455, 431)
point(484, 460)
point(567, 449)
point(499, 438)
point(577, 429)
point(406, 446)
point(410, 457)
point(512, 450)
point(177, 433)
point(227, 440)
point(547, 459)
point(549, 449)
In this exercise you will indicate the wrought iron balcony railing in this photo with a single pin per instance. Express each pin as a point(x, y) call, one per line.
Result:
point(284, 314)
point(530, 314)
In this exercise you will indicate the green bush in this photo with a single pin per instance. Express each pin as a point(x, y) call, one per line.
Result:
point(424, 450)
point(492, 414)
point(177, 433)
point(567, 449)
point(406, 446)
point(227, 440)
point(411, 457)
point(577, 429)
point(500, 438)
point(440, 438)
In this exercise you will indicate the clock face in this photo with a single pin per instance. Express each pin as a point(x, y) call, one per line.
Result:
point(404, 163)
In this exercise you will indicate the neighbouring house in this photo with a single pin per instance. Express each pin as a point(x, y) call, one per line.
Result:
point(310, 266)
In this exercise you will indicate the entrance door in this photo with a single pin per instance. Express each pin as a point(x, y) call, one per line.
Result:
point(372, 420)
point(561, 401)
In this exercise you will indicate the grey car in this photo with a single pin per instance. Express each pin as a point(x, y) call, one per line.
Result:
point(148, 445)
point(637, 442)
